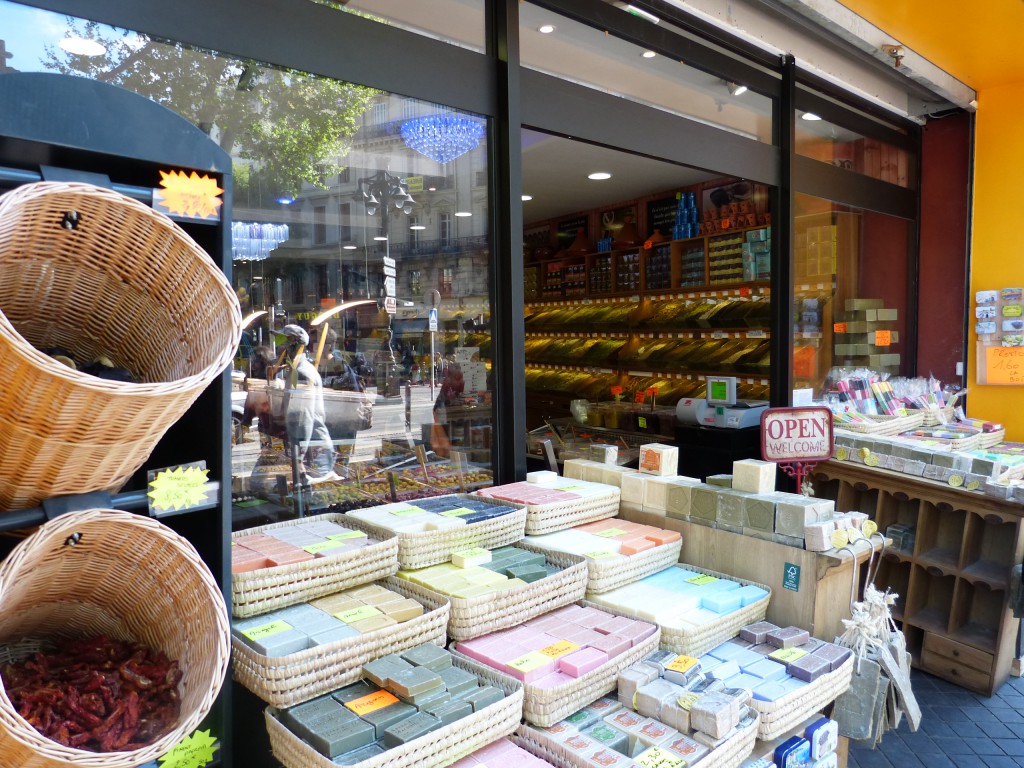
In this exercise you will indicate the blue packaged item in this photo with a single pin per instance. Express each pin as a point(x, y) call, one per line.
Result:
point(793, 753)
point(823, 736)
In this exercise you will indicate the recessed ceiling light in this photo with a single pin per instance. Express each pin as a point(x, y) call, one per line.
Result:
point(417, 227)
point(648, 54)
point(431, 189)
point(381, 237)
point(599, 176)
point(642, 14)
point(546, 29)
point(80, 46)
point(463, 214)
point(349, 247)
point(809, 116)
point(527, 198)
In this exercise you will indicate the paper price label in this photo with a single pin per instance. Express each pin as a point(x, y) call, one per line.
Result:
point(651, 391)
point(639, 398)
point(266, 630)
point(701, 580)
point(956, 480)
point(869, 528)
point(871, 460)
point(687, 700)
point(347, 535)
point(178, 488)
point(1012, 310)
point(641, 422)
point(600, 554)
point(616, 390)
point(559, 649)
point(883, 338)
point(193, 751)
point(371, 703)
point(407, 511)
point(531, 661)
point(323, 546)
point(843, 453)
point(839, 328)
point(786, 655)
point(609, 532)
point(358, 614)
point(473, 552)
point(457, 512)
point(655, 757)
point(682, 664)
point(840, 538)
point(972, 485)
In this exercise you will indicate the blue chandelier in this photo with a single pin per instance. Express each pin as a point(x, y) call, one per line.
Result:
point(442, 137)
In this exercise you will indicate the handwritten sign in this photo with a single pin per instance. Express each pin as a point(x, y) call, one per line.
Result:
point(883, 338)
point(178, 488)
point(193, 751)
point(1001, 365)
point(839, 327)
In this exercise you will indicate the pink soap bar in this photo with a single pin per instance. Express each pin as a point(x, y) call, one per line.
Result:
point(612, 645)
point(479, 649)
point(553, 680)
point(639, 632)
point(546, 624)
point(578, 663)
point(506, 652)
point(532, 673)
point(591, 617)
point(569, 613)
point(614, 624)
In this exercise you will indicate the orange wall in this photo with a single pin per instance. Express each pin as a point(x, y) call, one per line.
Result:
point(997, 254)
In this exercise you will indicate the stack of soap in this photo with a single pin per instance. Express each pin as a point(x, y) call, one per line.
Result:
point(369, 607)
point(658, 459)
point(794, 512)
point(605, 538)
point(293, 544)
point(501, 753)
point(534, 495)
point(754, 476)
point(274, 551)
point(434, 513)
point(416, 692)
point(522, 564)
point(558, 647)
point(504, 569)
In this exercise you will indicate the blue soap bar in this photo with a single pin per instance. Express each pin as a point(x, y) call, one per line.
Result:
point(792, 684)
point(769, 691)
point(724, 671)
point(721, 602)
point(766, 669)
point(721, 585)
point(727, 652)
point(297, 614)
point(751, 594)
point(745, 681)
point(709, 662)
point(747, 657)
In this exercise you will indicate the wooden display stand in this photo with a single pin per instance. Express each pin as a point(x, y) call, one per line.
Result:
point(954, 586)
point(822, 597)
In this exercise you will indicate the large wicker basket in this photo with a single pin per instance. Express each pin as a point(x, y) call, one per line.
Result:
point(131, 578)
point(99, 274)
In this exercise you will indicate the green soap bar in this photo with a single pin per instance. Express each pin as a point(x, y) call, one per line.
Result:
point(941, 459)
point(397, 660)
point(411, 728)
point(528, 573)
point(355, 691)
point(359, 755)
point(379, 671)
point(720, 481)
point(336, 738)
point(703, 502)
point(483, 696)
point(759, 513)
point(428, 655)
point(902, 451)
point(309, 711)
point(411, 682)
point(450, 711)
point(920, 454)
point(383, 718)
point(429, 699)
point(458, 680)
point(306, 729)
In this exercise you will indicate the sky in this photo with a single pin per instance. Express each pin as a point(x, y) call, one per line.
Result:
point(25, 31)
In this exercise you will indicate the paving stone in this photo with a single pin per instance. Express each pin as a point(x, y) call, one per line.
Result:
point(949, 714)
point(873, 758)
point(918, 743)
point(1012, 746)
point(1008, 714)
point(968, 761)
point(999, 761)
point(951, 745)
point(979, 714)
point(984, 746)
point(968, 729)
point(995, 730)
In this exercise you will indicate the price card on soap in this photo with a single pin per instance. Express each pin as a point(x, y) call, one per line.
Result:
point(358, 614)
point(559, 649)
point(701, 580)
point(682, 664)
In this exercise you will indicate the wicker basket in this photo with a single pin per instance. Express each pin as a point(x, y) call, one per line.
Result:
point(779, 716)
point(129, 577)
point(441, 747)
point(267, 589)
point(298, 677)
point(884, 425)
point(547, 518)
point(123, 282)
point(611, 573)
point(729, 755)
point(932, 417)
point(697, 642)
point(420, 549)
point(989, 439)
point(475, 616)
point(546, 706)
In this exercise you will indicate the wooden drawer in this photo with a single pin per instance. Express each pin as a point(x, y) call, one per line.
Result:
point(964, 655)
point(956, 672)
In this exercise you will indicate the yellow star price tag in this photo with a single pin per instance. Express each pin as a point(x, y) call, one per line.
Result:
point(193, 751)
point(178, 488)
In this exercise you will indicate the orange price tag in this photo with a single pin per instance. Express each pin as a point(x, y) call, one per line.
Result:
point(638, 397)
point(372, 703)
point(617, 389)
point(883, 338)
point(744, 291)
point(648, 245)
point(725, 223)
point(652, 391)
point(839, 327)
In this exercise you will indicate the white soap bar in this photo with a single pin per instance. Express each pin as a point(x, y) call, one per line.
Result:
point(605, 454)
point(656, 494)
point(467, 558)
point(658, 459)
point(634, 486)
point(593, 471)
point(541, 477)
point(754, 476)
point(818, 536)
point(573, 468)
point(611, 474)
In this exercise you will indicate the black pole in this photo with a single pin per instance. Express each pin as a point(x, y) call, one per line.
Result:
point(781, 376)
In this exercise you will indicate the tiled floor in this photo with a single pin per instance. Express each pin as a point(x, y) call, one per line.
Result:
point(958, 729)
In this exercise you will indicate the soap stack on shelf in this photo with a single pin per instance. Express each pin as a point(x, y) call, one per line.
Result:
point(865, 334)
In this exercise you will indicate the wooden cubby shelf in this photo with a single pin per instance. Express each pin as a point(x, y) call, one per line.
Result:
point(954, 585)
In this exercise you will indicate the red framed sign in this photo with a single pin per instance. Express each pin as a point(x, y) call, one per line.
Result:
point(796, 439)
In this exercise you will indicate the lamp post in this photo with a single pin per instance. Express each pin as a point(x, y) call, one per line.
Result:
point(379, 193)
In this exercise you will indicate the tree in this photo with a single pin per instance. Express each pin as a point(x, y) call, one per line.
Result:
point(293, 126)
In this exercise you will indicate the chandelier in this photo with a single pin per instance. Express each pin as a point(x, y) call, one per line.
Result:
point(442, 137)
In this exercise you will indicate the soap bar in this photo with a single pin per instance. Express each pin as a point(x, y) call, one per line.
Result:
point(788, 637)
point(660, 659)
point(428, 698)
point(414, 681)
point(450, 711)
point(767, 670)
point(674, 715)
point(835, 655)
point(483, 697)
point(383, 718)
point(653, 733)
point(754, 476)
point(750, 594)
point(358, 756)
point(578, 663)
point(456, 680)
point(332, 738)
point(722, 602)
point(719, 481)
point(650, 698)
point(633, 487)
point(609, 737)
point(658, 459)
point(687, 748)
point(725, 670)
point(808, 668)
point(411, 728)
point(714, 714)
point(471, 557)
point(355, 691)
point(428, 655)
point(380, 671)
point(818, 536)
point(583, 719)
point(759, 513)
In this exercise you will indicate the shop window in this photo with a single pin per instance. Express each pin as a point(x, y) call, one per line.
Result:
point(460, 22)
point(319, 224)
point(845, 148)
point(345, 222)
point(444, 228)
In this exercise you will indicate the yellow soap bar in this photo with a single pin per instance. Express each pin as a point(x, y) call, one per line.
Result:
point(383, 597)
point(374, 623)
point(472, 590)
point(514, 584)
point(403, 610)
point(336, 604)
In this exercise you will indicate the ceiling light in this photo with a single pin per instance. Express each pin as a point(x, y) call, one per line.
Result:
point(417, 227)
point(599, 176)
point(736, 89)
point(431, 189)
point(463, 214)
point(809, 116)
point(381, 237)
point(81, 46)
point(527, 198)
point(641, 13)
point(546, 29)
point(286, 200)
point(349, 247)
point(648, 54)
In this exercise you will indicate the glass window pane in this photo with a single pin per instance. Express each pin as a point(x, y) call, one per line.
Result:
point(844, 148)
point(560, 46)
point(850, 282)
point(460, 22)
point(327, 188)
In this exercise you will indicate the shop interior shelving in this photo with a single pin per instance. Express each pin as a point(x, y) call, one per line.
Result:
point(954, 582)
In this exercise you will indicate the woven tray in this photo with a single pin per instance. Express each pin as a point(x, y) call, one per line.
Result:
point(418, 550)
point(256, 592)
point(547, 518)
point(989, 439)
point(729, 755)
point(611, 573)
point(441, 747)
point(290, 680)
point(884, 425)
point(546, 706)
point(475, 616)
point(932, 417)
point(779, 716)
point(699, 641)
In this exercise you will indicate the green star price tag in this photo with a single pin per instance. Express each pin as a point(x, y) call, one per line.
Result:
point(193, 751)
point(178, 488)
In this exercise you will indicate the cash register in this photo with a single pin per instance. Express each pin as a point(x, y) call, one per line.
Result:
point(720, 408)
point(714, 431)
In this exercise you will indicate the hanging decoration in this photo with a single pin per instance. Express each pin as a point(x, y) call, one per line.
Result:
point(442, 137)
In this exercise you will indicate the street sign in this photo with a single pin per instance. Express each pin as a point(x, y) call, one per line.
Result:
point(389, 262)
point(796, 434)
point(390, 305)
point(389, 286)
point(390, 272)
point(432, 322)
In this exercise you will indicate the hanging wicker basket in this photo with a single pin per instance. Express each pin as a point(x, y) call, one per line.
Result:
point(128, 577)
point(99, 274)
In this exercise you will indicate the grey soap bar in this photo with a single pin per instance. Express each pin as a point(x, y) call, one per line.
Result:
point(412, 682)
point(355, 691)
point(450, 711)
point(720, 481)
point(458, 680)
point(411, 728)
point(429, 698)
point(396, 660)
point(312, 710)
point(335, 738)
point(359, 755)
point(483, 696)
point(383, 718)
point(280, 643)
point(528, 573)
point(428, 655)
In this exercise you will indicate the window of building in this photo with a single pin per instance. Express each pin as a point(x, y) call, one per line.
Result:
point(319, 224)
point(445, 231)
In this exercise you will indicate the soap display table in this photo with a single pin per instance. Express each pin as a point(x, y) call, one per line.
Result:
point(953, 582)
point(815, 596)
